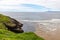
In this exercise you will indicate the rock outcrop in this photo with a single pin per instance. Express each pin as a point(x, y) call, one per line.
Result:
point(10, 24)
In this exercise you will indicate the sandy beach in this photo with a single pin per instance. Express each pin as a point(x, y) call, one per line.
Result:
point(48, 35)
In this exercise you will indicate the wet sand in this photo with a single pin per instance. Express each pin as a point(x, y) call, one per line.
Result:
point(51, 35)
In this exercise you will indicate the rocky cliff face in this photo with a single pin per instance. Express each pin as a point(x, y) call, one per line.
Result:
point(10, 24)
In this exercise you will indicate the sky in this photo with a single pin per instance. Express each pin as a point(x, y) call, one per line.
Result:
point(29, 5)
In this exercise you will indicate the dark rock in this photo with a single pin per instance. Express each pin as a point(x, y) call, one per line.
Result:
point(14, 26)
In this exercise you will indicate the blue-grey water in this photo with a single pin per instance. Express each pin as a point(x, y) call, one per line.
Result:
point(30, 26)
point(34, 15)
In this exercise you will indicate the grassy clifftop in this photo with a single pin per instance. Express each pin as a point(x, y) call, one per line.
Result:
point(5, 34)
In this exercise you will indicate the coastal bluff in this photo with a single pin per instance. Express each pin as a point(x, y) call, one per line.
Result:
point(10, 24)
point(11, 29)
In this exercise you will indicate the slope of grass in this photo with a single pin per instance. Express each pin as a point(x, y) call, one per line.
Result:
point(8, 35)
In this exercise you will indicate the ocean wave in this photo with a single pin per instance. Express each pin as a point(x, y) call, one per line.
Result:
point(52, 20)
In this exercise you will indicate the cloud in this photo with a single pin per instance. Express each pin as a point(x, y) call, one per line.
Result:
point(23, 8)
point(16, 6)
point(29, 5)
point(54, 4)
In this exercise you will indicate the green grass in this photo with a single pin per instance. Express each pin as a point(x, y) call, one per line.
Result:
point(8, 35)
point(5, 19)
